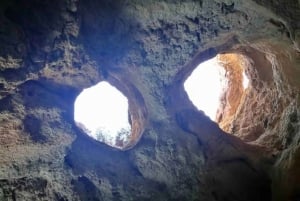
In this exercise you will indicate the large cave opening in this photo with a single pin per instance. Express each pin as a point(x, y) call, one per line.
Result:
point(205, 85)
point(217, 86)
point(101, 111)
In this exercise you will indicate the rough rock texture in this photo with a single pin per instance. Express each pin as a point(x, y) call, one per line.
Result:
point(51, 50)
point(233, 92)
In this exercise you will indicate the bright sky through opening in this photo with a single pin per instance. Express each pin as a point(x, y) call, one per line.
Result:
point(204, 86)
point(245, 80)
point(102, 107)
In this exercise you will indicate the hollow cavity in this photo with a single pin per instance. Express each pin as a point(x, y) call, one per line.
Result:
point(205, 85)
point(208, 84)
point(101, 111)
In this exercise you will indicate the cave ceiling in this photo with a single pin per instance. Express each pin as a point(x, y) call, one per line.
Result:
point(52, 50)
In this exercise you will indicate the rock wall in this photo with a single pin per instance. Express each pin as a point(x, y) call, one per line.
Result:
point(51, 50)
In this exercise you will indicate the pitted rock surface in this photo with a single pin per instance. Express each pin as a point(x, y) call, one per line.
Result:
point(51, 50)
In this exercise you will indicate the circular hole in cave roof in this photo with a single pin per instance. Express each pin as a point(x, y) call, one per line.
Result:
point(206, 85)
point(101, 111)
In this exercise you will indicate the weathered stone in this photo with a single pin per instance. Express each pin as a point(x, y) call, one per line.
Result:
point(51, 50)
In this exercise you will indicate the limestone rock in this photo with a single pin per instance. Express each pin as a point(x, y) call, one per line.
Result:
point(51, 50)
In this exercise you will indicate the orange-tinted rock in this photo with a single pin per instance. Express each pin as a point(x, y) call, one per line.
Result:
point(234, 93)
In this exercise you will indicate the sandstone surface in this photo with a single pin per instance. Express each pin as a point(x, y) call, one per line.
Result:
point(53, 49)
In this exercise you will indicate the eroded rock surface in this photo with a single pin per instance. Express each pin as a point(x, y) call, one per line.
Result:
point(51, 50)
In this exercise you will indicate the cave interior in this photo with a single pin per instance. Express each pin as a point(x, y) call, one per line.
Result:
point(51, 50)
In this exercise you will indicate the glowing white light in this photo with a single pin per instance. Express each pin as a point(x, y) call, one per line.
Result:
point(245, 80)
point(205, 85)
point(102, 108)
